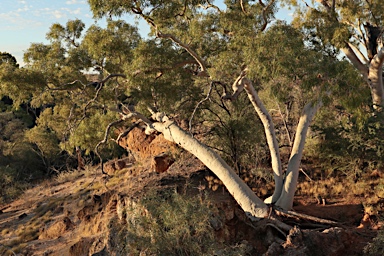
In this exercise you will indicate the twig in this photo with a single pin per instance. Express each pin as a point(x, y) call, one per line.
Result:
point(198, 104)
point(277, 228)
point(125, 133)
point(104, 141)
point(301, 169)
point(177, 41)
point(242, 7)
point(285, 125)
point(124, 117)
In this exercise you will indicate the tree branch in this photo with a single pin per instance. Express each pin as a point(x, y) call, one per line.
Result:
point(106, 134)
point(199, 60)
point(124, 117)
point(265, 9)
point(348, 51)
point(159, 34)
point(205, 7)
point(242, 7)
point(198, 104)
point(294, 214)
point(238, 86)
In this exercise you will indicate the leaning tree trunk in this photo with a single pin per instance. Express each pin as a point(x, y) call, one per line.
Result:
point(252, 205)
point(286, 198)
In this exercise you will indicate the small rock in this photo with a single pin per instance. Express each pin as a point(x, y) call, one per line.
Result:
point(57, 229)
point(81, 247)
point(161, 163)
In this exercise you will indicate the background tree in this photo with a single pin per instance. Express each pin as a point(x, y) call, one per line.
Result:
point(352, 27)
point(354, 31)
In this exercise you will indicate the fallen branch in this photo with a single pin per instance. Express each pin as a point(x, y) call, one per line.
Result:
point(293, 214)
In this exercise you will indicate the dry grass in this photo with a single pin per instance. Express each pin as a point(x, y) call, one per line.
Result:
point(5, 231)
point(72, 175)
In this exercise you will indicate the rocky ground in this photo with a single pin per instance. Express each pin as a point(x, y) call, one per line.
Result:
point(71, 215)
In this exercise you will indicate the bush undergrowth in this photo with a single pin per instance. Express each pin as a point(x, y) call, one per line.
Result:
point(167, 223)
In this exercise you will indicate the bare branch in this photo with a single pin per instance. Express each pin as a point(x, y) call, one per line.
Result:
point(184, 9)
point(106, 134)
point(294, 214)
point(285, 125)
point(176, 65)
point(370, 10)
point(124, 117)
point(325, 4)
point(358, 53)
point(65, 86)
point(125, 132)
point(199, 60)
point(197, 106)
point(237, 87)
point(351, 55)
point(159, 34)
point(265, 9)
point(112, 76)
point(205, 7)
point(242, 7)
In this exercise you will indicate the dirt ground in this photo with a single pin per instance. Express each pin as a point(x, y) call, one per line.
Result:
point(70, 216)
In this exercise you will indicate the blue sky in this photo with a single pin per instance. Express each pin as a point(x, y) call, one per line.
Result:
point(23, 22)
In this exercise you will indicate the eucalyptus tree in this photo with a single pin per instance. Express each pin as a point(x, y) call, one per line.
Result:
point(231, 42)
point(59, 79)
point(353, 27)
point(195, 54)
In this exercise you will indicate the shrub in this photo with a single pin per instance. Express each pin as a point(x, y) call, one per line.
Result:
point(167, 223)
point(376, 247)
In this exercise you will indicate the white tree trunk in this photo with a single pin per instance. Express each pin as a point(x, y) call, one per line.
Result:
point(373, 74)
point(252, 205)
point(269, 129)
point(284, 190)
point(286, 199)
point(375, 78)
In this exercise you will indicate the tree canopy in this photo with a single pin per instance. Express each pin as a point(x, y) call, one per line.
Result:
point(193, 65)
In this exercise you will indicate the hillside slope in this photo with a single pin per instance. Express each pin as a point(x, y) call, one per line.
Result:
point(85, 213)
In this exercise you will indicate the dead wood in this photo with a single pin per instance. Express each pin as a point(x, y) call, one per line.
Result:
point(292, 214)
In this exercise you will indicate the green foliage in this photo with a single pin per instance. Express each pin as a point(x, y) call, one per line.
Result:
point(333, 28)
point(65, 81)
point(19, 164)
point(376, 247)
point(235, 131)
point(55, 83)
point(7, 58)
point(111, 47)
point(351, 144)
point(167, 223)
